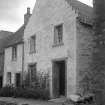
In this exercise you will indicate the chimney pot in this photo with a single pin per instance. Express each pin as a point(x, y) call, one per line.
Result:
point(27, 16)
point(28, 10)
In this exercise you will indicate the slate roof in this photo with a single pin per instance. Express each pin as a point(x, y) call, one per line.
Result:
point(4, 34)
point(85, 12)
point(14, 38)
point(3, 41)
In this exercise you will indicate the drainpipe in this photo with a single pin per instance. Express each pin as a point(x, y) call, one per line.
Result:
point(22, 76)
point(26, 19)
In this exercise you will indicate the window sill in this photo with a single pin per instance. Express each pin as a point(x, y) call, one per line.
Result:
point(58, 44)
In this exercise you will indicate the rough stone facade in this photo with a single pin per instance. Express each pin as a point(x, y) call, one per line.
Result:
point(1, 68)
point(99, 51)
point(46, 15)
point(1, 63)
point(12, 66)
point(15, 67)
point(3, 37)
point(84, 57)
point(76, 48)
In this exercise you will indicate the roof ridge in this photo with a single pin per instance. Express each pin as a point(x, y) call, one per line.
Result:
point(85, 12)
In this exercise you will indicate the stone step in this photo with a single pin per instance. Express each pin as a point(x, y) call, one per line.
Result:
point(58, 100)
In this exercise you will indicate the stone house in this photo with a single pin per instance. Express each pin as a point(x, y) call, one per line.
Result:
point(4, 34)
point(3, 37)
point(13, 59)
point(14, 56)
point(58, 42)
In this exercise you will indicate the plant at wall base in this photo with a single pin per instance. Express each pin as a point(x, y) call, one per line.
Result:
point(33, 93)
point(37, 89)
point(7, 91)
point(41, 81)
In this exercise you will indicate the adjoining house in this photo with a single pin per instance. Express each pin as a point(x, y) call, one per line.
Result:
point(13, 59)
point(14, 56)
point(4, 34)
point(58, 42)
point(3, 41)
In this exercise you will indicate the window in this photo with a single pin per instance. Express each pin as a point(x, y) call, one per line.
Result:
point(32, 44)
point(9, 78)
point(58, 34)
point(14, 53)
point(17, 79)
point(32, 73)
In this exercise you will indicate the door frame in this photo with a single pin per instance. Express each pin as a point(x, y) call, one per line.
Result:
point(16, 79)
point(57, 60)
point(29, 72)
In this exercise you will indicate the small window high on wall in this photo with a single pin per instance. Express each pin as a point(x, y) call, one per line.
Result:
point(58, 34)
point(14, 53)
point(33, 44)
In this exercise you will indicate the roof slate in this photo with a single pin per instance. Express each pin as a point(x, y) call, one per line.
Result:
point(85, 12)
point(3, 41)
point(12, 39)
point(4, 34)
point(16, 38)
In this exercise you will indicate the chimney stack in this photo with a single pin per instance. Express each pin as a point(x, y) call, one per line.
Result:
point(27, 16)
point(28, 10)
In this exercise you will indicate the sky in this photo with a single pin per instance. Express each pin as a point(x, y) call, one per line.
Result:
point(12, 12)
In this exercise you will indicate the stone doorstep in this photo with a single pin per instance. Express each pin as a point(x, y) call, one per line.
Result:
point(58, 100)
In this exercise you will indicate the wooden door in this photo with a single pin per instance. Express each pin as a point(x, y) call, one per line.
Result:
point(18, 79)
point(55, 80)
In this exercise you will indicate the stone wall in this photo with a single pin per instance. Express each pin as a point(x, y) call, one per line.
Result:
point(12, 66)
point(46, 15)
point(1, 63)
point(99, 51)
point(84, 57)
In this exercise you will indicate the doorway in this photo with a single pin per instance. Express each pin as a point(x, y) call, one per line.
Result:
point(18, 79)
point(59, 78)
point(1, 79)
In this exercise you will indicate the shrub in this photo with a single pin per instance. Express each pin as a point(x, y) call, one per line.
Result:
point(33, 93)
point(37, 89)
point(44, 94)
point(7, 91)
point(18, 92)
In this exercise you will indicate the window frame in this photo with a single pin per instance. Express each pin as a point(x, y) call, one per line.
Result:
point(32, 44)
point(58, 39)
point(9, 78)
point(14, 53)
point(31, 73)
